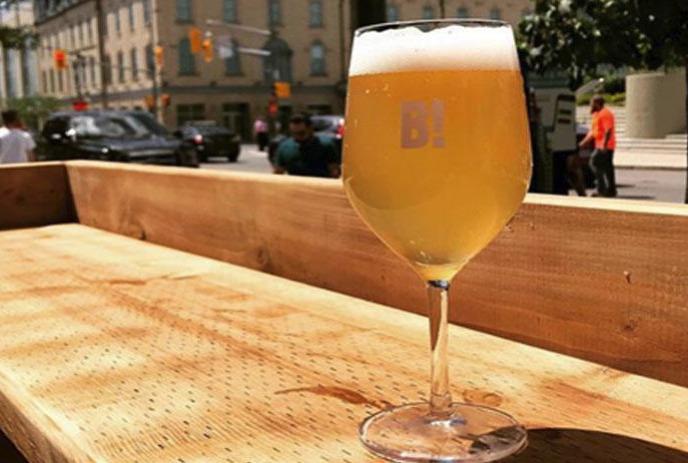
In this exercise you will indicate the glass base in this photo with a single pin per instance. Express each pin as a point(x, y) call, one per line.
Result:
point(470, 433)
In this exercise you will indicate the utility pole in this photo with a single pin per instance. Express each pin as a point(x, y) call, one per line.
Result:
point(100, 21)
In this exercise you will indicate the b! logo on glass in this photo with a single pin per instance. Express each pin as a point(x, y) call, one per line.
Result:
point(422, 123)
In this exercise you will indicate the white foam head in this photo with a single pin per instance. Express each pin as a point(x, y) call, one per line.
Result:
point(446, 48)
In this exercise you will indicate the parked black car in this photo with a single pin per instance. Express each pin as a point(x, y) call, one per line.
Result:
point(111, 136)
point(211, 140)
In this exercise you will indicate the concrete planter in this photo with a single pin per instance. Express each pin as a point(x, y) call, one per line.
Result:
point(655, 104)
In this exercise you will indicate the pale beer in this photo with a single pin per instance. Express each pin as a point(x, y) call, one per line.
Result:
point(437, 155)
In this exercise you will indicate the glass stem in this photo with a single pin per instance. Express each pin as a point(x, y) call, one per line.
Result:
point(440, 397)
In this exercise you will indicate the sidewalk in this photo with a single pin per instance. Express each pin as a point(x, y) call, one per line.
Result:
point(653, 161)
point(667, 153)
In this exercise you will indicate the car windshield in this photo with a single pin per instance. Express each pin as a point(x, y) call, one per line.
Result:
point(151, 124)
point(212, 130)
point(108, 126)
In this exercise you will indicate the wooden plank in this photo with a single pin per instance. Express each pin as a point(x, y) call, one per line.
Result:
point(33, 195)
point(125, 351)
point(602, 280)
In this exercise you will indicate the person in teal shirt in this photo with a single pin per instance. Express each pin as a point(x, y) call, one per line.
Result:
point(305, 153)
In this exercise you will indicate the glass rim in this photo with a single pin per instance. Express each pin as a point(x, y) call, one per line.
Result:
point(477, 22)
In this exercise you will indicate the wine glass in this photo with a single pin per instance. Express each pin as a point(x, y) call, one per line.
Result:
point(436, 161)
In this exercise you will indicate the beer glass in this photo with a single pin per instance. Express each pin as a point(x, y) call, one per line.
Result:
point(436, 161)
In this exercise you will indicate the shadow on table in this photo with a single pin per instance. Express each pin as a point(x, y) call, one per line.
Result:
point(8, 452)
point(577, 446)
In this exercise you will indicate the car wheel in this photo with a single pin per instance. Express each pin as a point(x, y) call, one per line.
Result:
point(234, 153)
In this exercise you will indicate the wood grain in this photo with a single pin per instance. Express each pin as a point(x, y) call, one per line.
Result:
point(124, 351)
point(33, 195)
point(600, 279)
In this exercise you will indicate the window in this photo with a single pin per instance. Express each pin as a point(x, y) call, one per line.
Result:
point(233, 63)
point(72, 37)
point(134, 64)
point(315, 13)
point(392, 13)
point(150, 60)
point(190, 112)
point(60, 81)
point(92, 67)
point(106, 26)
point(132, 19)
point(107, 68)
point(44, 78)
point(274, 12)
point(462, 12)
point(120, 67)
point(52, 81)
point(187, 60)
point(495, 13)
point(146, 12)
point(86, 31)
point(118, 24)
point(80, 30)
point(184, 10)
point(229, 11)
point(428, 12)
point(317, 59)
point(277, 66)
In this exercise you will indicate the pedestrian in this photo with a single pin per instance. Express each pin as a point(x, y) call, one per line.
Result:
point(603, 136)
point(16, 144)
point(261, 133)
point(305, 153)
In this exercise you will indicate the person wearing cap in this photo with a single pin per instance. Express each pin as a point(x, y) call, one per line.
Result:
point(604, 138)
point(305, 153)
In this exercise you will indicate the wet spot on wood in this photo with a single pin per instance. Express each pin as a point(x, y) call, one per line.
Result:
point(476, 396)
point(341, 393)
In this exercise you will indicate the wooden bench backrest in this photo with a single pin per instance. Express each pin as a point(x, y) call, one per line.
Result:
point(598, 279)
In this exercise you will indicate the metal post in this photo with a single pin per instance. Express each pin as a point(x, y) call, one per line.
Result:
point(154, 67)
point(100, 21)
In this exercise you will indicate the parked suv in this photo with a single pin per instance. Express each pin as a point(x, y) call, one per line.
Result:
point(111, 136)
point(210, 140)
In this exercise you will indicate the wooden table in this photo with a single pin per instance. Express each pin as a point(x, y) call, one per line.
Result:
point(118, 350)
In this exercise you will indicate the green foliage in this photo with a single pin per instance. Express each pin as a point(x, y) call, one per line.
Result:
point(616, 99)
point(579, 35)
point(17, 37)
point(614, 84)
point(33, 109)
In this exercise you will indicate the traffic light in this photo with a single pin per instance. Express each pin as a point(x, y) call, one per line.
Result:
point(159, 56)
point(282, 89)
point(150, 102)
point(60, 59)
point(196, 39)
point(208, 51)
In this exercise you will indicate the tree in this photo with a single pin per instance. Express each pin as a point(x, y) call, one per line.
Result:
point(576, 36)
point(579, 35)
point(33, 110)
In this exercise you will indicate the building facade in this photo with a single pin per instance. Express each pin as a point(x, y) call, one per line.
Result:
point(18, 67)
point(308, 41)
